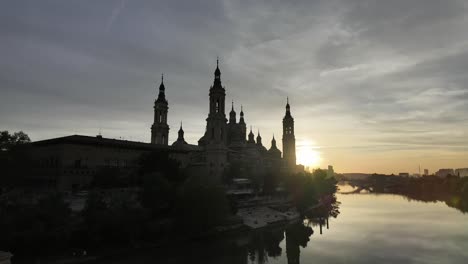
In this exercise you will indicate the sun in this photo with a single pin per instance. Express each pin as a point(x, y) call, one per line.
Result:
point(308, 155)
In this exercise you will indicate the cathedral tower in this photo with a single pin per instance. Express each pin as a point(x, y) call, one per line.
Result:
point(215, 139)
point(216, 121)
point(242, 125)
point(289, 140)
point(160, 129)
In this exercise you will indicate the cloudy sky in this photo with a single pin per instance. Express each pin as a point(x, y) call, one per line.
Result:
point(374, 86)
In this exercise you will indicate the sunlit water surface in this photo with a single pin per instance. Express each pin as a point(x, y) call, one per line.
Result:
point(370, 229)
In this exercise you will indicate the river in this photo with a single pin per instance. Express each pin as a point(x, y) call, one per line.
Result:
point(371, 228)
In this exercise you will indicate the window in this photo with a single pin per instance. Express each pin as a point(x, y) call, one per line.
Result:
point(212, 132)
point(217, 106)
point(160, 118)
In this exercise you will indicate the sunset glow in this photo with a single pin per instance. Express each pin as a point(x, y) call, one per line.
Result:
point(308, 155)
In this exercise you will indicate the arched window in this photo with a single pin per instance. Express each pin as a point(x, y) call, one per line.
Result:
point(163, 139)
point(217, 106)
point(212, 133)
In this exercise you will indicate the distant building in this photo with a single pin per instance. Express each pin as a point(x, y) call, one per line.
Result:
point(463, 172)
point(426, 172)
point(330, 171)
point(445, 172)
point(403, 174)
point(71, 162)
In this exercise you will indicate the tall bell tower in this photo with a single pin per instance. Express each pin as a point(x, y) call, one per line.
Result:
point(160, 129)
point(215, 139)
point(216, 121)
point(289, 140)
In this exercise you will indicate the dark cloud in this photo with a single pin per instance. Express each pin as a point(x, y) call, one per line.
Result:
point(364, 74)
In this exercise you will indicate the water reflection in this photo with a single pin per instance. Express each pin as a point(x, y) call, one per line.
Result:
point(370, 228)
point(453, 191)
point(264, 245)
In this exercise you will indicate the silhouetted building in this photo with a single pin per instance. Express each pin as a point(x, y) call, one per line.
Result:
point(160, 129)
point(330, 171)
point(224, 142)
point(75, 159)
point(445, 172)
point(289, 140)
point(71, 162)
point(463, 172)
point(426, 172)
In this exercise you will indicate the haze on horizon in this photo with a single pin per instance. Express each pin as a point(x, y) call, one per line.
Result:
point(374, 86)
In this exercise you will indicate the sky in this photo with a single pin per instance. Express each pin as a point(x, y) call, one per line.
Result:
point(374, 85)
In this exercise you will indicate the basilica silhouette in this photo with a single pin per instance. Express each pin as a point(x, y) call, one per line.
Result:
point(71, 162)
point(225, 143)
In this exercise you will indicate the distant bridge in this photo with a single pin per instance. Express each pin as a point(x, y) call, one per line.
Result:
point(359, 189)
point(373, 186)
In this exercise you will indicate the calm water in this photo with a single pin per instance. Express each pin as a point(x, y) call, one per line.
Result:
point(370, 229)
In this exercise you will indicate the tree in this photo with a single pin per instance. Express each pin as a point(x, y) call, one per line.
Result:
point(7, 141)
point(15, 163)
point(39, 228)
point(201, 205)
point(156, 193)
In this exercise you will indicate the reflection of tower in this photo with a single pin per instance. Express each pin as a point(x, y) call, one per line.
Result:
point(289, 140)
point(292, 248)
point(160, 129)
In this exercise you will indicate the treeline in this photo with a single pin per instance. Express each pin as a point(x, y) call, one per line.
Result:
point(313, 193)
point(452, 190)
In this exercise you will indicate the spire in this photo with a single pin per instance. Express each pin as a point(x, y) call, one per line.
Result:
point(274, 151)
point(161, 86)
point(251, 136)
point(217, 77)
point(232, 114)
point(259, 138)
point(273, 142)
point(241, 119)
point(288, 107)
point(181, 133)
point(217, 71)
point(162, 89)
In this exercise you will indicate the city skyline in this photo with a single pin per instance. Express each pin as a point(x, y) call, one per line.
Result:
point(365, 98)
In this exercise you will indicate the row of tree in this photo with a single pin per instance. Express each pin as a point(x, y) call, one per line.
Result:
point(453, 190)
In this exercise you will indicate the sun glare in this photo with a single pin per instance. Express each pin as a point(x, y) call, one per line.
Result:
point(308, 155)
